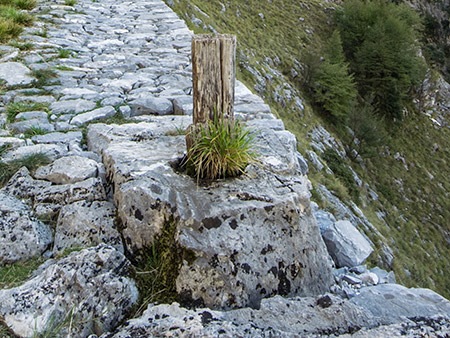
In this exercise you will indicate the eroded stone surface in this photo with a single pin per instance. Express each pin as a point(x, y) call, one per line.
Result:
point(277, 317)
point(69, 169)
point(90, 288)
point(22, 236)
point(251, 237)
point(84, 224)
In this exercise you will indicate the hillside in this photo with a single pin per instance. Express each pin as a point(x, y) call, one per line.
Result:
point(402, 189)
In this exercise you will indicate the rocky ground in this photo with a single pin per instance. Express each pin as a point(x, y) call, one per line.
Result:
point(112, 190)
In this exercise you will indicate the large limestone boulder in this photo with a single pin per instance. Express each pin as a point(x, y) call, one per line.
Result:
point(22, 236)
point(346, 244)
point(88, 290)
point(240, 240)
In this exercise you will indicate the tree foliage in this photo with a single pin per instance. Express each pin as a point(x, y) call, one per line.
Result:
point(379, 40)
point(333, 87)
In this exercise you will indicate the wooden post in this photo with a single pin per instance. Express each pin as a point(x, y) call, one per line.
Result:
point(213, 76)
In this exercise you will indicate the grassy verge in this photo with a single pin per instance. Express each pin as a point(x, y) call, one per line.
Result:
point(13, 18)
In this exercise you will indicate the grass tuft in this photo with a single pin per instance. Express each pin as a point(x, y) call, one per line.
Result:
point(15, 108)
point(219, 149)
point(44, 77)
point(17, 16)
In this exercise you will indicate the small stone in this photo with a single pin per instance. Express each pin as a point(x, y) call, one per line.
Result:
point(15, 74)
point(70, 169)
point(151, 105)
point(72, 106)
point(94, 115)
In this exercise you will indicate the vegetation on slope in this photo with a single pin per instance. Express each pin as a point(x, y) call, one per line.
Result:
point(280, 47)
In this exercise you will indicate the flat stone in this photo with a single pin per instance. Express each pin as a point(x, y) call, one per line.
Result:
point(72, 106)
point(89, 190)
point(151, 105)
point(15, 74)
point(35, 98)
point(90, 289)
point(12, 142)
point(85, 224)
point(391, 303)
point(23, 126)
point(21, 235)
point(53, 151)
point(94, 115)
point(58, 137)
point(277, 317)
point(69, 169)
point(23, 186)
point(346, 245)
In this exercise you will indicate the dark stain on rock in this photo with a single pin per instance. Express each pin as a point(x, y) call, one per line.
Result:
point(267, 249)
point(268, 208)
point(284, 285)
point(214, 261)
point(243, 217)
point(212, 222)
point(156, 189)
point(138, 215)
point(274, 271)
point(324, 301)
point(233, 224)
point(246, 267)
point(207, 317)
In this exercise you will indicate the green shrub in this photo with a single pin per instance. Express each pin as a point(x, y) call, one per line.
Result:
point(332, 85)
point(220, 149)
point(380, 43)
point(63, 53)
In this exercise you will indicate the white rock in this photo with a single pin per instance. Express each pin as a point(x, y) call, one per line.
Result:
point(15, 74)
point(70, 169)
point(94, 115)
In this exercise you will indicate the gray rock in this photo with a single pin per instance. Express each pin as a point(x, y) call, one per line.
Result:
point(84, 224)
point(183, 105)
point(12, 142)
point(72, 106)
point(94, 115)
point(53, 151)
point(88, 291)
point(232, 264)
point(70, 169)
point(21, 235)
point(277, 317)
point(346, 244)
point(151, 105)
point(23, 126)
point(35, 98)
point(39, 115)
point(324, 219)
point(23, 186)
point(89, 190)
point(15, 74)
point(57, 137)
point(391, 303)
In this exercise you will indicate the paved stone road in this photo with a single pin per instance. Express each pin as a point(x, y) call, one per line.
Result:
point(112, 57)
